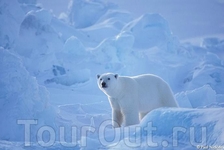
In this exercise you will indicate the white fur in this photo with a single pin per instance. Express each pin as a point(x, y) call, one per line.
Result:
point(131, 98)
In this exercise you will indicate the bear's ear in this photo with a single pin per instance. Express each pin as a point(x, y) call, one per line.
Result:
point(116, 75)
point(98, 76)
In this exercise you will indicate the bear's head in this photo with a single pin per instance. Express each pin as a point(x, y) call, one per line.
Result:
point(107, 82)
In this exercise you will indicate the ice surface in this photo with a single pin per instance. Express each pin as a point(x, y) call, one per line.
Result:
point(194, 97)
point(48, 78)
point(149, 30)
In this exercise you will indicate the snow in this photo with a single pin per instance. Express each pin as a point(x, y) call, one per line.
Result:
point(85, 13)
point(49, 98)
point(21, 96)
point(189, 133)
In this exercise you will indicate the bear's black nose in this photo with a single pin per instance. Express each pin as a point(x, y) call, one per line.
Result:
point(103, 84)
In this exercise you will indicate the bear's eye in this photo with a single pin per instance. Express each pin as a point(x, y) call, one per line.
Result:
point(108, 78)
point(100, 79)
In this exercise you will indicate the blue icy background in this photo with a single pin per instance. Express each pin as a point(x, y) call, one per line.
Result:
point(51, 51)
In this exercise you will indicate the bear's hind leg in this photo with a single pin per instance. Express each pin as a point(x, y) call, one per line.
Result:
point(131, 118)
point(142, 115)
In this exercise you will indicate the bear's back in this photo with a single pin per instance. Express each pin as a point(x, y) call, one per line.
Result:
point(148, 79)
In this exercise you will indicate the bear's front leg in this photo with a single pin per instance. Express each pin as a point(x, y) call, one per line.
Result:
point(129, 108)
point(116, 118)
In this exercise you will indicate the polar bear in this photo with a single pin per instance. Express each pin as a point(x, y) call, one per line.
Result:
point(131, 98)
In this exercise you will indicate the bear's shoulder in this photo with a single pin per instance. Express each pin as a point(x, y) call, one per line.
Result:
point(126, 80)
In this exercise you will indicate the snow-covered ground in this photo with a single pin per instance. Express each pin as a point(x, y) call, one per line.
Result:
point(49, 98)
